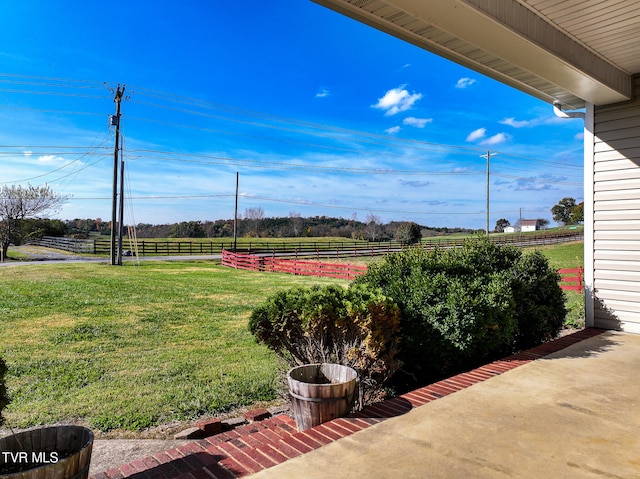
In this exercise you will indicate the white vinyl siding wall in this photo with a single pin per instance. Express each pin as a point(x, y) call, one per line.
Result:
point(616, 215)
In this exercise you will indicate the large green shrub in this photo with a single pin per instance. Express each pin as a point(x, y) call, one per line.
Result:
point(466, 305)
point(356, 327)
point(540, 302)
point(4, 397)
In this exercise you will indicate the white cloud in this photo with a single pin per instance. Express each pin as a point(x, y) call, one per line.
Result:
point(393, 130)
point(531, 184)
point(27, 153)
point(397, 100)
point(477, 134)
point(516, 123)
point(323, 93)
point(461, 169)
point(415, 183)
point(496, 139)
point(417, 122)
point(465, 82)
point(50, 159)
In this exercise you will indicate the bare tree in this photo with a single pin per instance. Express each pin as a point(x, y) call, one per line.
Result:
point(18, 203)
point(252, 218)
point(373, 228)
point(296, 223)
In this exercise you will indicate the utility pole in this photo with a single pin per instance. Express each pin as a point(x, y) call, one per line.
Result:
point(488, 157)
point(121, 213)
point(520, 228)
point(235, 218)
point(115, 120)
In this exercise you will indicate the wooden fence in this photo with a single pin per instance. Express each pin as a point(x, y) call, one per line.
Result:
point(572, 279)
point(302, 248)
point(292, 266)
point(66, 244)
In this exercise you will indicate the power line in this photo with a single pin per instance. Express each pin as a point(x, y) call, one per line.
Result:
point(161, 155)
point(249, 117)
point(384, 154)
point(96, 84)
point(294, 202)
point(42, 110)
point(216, 160)
point(327, 131)
point(91, 151)
point(212, 111)
point(51, 93)
point(441, 147)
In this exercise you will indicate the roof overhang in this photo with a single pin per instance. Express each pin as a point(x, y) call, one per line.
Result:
point(504, 40)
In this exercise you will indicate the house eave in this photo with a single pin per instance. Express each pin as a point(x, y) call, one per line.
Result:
point(503, 40)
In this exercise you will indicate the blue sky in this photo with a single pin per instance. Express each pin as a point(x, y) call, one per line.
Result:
point(319, 114)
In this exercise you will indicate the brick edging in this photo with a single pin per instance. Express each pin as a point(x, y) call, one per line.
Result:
point(260, 445)
point(463, 380)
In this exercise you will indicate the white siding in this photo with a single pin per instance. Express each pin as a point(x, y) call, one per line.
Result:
point(616, 215)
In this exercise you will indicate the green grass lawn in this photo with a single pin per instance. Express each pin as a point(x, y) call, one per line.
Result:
point(568, 255)
point(130, 347)
point(123, 348)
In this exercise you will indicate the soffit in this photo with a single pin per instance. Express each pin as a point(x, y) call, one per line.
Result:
point(610, 28)
point(556, 54)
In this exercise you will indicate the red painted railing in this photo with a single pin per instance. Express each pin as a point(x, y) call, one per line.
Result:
point(292, 266)
point(575, 278)
point(571, 279)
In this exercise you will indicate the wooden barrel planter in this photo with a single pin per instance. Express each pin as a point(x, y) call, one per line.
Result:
point(57, 452)
point(321, 392)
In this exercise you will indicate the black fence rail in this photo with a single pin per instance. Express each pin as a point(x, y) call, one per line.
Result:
point(66, 244)
point(168, 248)
point(335, 249)
point(359, 248)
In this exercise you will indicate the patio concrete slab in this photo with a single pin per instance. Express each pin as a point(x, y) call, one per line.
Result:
point(572, 414)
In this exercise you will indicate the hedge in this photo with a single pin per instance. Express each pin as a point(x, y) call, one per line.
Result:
point(463, 306)
point(356, 327)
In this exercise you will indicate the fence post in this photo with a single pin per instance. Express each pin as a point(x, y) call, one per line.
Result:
point(580, 278)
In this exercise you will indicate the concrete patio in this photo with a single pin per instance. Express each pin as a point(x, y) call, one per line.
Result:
point(573, 413)
point(564, 409)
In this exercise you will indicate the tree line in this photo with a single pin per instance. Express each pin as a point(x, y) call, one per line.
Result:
point(21, 209)
point(251, 226)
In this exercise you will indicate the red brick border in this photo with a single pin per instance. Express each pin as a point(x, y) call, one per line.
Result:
point(260, 445)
